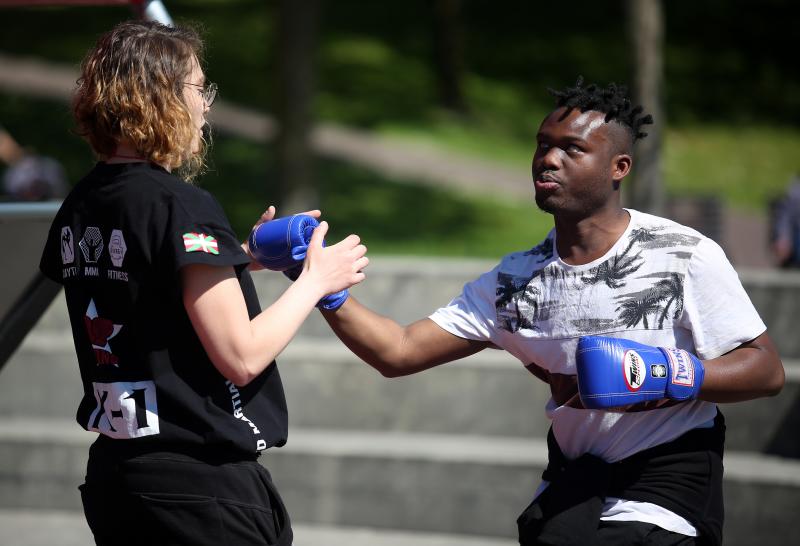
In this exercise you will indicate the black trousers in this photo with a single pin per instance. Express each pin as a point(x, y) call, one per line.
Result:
point(637, 533)
point(176, 499)
point(683, 476)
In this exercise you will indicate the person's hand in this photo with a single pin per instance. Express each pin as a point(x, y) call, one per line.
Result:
point(336, 267)
point(782, 251)
point(10, 151)
point(268, 215)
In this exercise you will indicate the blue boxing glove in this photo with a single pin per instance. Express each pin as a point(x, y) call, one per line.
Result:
point(281, 245)
point(616, 372)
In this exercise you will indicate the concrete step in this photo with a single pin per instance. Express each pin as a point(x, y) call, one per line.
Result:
point(404, 288)
point(775, 293)
point(488, 394)
point(467, 485)
point(68, 528)
point(409, 288)
point(326, 386)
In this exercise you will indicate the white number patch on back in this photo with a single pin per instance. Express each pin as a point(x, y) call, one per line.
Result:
point(125, 409)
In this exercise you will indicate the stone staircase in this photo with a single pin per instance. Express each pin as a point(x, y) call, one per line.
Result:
point(455, 451)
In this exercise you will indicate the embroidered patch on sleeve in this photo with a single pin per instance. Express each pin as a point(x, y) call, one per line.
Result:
point(200, 242)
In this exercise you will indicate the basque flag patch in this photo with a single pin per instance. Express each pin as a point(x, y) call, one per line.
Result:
point(200, 242)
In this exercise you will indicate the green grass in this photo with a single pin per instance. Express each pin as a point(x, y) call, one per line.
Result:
point(466, 138)
point(501, 125)
point(391, 216)
point(744, 166)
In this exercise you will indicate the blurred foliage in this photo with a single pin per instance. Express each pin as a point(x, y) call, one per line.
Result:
point(732, 100)
point(390, 215)
point(401, 217)
point(725, 60)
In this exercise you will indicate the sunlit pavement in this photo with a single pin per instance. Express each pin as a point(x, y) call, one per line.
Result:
point(46, 528)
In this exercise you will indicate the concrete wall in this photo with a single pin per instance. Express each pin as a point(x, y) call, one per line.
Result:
point(457, 449)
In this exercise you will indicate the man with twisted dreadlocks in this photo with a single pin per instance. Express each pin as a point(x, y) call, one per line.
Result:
point(638, 324)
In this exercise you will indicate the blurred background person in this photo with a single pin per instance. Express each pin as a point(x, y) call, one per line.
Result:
point(29, 176)
point(785, 228)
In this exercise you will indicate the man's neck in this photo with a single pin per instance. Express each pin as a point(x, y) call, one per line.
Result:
point(582, 241)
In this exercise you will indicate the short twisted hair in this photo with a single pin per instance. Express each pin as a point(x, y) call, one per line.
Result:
point(612, 101)
point(131, 87)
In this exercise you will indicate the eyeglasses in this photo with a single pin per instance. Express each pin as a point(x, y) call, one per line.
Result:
point(208, 92)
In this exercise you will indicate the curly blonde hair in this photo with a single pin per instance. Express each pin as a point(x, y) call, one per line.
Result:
point(131, 88)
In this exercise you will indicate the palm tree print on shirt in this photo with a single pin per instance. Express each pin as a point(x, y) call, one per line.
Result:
point(517, 303)
point(671, 290)
point(635, 310)
point(544, 249)
point(645, 297)
point(614, 270)
point(665, 295)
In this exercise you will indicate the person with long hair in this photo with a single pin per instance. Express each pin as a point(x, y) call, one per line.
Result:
point(176, 357)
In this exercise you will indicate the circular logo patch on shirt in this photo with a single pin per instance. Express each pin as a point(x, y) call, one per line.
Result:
point(633, 368)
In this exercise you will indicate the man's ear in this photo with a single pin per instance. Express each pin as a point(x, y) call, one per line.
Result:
point(621, 166)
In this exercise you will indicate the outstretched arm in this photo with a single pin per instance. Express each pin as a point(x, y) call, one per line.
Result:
point(396, 350)
point(241, 348)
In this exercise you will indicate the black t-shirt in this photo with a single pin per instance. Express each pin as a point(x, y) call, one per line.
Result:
point(117, 245)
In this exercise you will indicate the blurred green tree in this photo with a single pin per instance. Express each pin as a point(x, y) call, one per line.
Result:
point(646, 33)
point(448, 55)
point(296, 41)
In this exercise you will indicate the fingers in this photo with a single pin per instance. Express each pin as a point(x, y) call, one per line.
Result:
point(359, 250)
point(271, 212)
point(351, 241)
point(360, 264)
point(319, 235)
point(358, 274)
point(267, 215)
point(335, 267)
point(313, 213)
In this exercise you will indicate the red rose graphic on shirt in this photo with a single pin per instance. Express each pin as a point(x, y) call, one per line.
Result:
point(100, 330)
